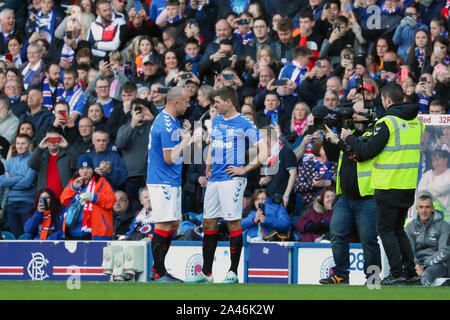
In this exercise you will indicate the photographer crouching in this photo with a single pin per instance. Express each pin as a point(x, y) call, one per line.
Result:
point(354, 204)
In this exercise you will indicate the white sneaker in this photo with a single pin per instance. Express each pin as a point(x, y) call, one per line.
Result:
point(201, 278)
point(231, 278)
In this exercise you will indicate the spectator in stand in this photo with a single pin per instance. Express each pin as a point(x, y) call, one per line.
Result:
point(272, 218)
point(132, 139)
point(41, 117)
point(83, 142)
point(8, 121)
point(65, 50)
point(17, 56)
point(429, 236)
point(13, 91)
point(64, 120)
point(138, 24)
point(123, 212)
point(52, 87)
point(52, 161)
point(420, 53)
point(438, 107)
point(33, 70)
point(21, 181)
point(44, 221)
point(315, 224)
point(97, 197)
point(261, 37)
point(73, 93)
point(438, 27)
point(8, 28)
point(107, 163)
point(297, 69)
point(298, 123)
point(143, 225)
point(44, 23)
point(315, 174)
point(104, 33)
point(382, 45)
point(436, 181)
point(404, 34)
point(282, 48)
point(281, 169)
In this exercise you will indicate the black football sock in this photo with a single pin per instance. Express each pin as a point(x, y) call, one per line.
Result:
point(236, 241)
point(210, 239)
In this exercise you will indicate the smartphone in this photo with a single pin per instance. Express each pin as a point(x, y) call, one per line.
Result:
point(106, 58)
point(138, 109)
point(337, 29)
point(310, 130)
point(9, 57)
point(390, 66)
point(423, 79)
point(54, 140)
point(318, 65)
point(228, 76)
point(186, 76)
point(274, 119)
point(163, 89)
point(404, 75)
point(359, 82)
point(261, 206)
point(43, 200)
point(69, 34)
point(281, 82)
point(347, 7)
point(137, 6)
point(63, 114)
point(437, 50)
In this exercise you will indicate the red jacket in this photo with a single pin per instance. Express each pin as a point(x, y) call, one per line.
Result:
point(102, 213)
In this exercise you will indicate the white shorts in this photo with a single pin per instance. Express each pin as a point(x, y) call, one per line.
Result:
point(223, 199)
point(166, 202)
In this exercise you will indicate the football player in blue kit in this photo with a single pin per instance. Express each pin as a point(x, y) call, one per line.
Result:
point(167, 140)
point(231, 134)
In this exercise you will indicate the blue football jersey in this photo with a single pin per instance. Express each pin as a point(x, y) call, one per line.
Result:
point(164, 134)
point(230, 139)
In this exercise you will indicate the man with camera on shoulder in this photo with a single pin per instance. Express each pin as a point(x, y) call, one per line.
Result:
point(354, 204)
point(395, 149)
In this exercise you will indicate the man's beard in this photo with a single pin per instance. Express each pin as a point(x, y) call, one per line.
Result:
point(53, 82)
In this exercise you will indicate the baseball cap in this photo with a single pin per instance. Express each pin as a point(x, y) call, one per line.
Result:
point(85, 161)
point(150, 59)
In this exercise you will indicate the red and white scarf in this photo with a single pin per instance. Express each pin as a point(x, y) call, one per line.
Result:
point(86, 224)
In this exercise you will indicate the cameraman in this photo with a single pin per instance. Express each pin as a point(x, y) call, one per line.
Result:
point(395, 149)
point(354, 204)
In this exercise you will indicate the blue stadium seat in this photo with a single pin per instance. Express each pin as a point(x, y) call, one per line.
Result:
point(26, 236)
point(6, 235)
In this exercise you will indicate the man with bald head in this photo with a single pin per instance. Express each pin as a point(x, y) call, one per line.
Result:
point(41, 117)
point(215, 51)
point(165, 162)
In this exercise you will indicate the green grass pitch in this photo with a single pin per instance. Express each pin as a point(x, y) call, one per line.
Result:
point(58, 290)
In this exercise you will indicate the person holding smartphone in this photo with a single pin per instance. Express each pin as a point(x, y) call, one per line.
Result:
point(262, 210)
point(44, 221)
point(52, 161)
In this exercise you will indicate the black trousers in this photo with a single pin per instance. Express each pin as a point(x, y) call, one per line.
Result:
point(390, 228)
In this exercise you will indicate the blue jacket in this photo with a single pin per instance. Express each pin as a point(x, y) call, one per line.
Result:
point(277, 219)
point(119, 171)
point(404, 38)
point(32, 227)
point(21, 181)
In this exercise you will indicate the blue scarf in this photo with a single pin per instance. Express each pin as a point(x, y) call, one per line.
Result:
point(14, 99)
point(72, 96)
point(47, 93)
point(269, 113)
point(323, 169)
point(246, 39)
point(49, 27)
point(389, 12)
point(195, 62)
point(175, 19)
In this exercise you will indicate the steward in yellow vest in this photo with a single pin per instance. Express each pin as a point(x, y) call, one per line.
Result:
point(395, 149)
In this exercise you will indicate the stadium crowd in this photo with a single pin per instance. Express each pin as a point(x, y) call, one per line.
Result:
point(89, 77)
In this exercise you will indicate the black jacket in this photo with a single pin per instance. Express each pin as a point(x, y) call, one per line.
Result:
point(376, 144)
